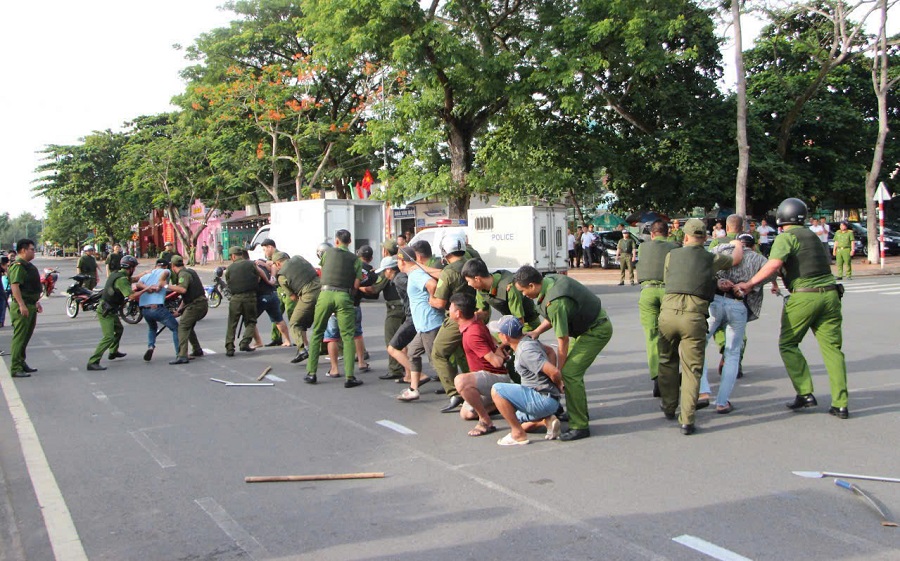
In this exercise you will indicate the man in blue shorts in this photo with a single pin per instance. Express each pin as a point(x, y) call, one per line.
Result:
point(533, 403)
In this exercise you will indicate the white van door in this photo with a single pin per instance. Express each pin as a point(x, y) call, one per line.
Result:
point(550, 253)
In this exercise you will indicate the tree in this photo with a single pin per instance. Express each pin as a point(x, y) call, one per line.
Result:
point(23, 226)
point(65, 225)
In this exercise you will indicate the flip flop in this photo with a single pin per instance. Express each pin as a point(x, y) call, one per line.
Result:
point(335, 375)
point(481, 430)
point(508, 440)
point(364, 368)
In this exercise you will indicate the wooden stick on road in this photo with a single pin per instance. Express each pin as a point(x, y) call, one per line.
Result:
point(323, 477)
point(263, 375)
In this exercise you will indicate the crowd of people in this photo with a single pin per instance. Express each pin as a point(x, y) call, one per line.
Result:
point(439, 302)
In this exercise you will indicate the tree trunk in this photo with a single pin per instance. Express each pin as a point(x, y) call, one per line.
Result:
point(881, 86)
point(580, 220)
point(461, 159)
point(740, 195)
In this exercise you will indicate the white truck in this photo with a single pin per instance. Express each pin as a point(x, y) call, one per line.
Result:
point(298, 227)
point(509, 237)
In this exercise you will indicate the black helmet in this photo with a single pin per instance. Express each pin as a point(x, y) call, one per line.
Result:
point(323, 247)
point(220, 271)
point(128, 262)
point(365, 252)
point(791, 211)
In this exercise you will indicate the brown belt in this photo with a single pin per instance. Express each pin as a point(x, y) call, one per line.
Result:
point(819, 289)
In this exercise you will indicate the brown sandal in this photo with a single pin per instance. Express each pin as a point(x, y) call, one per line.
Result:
point(481, 430)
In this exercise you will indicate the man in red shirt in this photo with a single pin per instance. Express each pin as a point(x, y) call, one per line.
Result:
point(484, 358)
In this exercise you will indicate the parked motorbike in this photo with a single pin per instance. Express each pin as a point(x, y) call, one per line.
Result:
point(81, 298)
point(48, 280)
point(217, 289)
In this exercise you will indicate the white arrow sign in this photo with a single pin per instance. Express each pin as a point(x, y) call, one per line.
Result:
point(881, 194)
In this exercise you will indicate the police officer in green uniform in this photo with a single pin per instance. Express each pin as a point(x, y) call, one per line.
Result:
point(242, 277)
point(498, 290)
point(341, 275)
point(299, 281)
point(689, 276)
point(192, 309)
point(626, 251)
point(396, 314)
point(814, 303)
point(25, 285)
point(843, 250)
point(676, 234)
point(168, 252)
point(573, 312)
point(651, 269)
point(115, 292)
point(448, 342)
point(87, 265)
point(113, 259)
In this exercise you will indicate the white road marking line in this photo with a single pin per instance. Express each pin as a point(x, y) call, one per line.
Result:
point(152, 449)
point(274, 378)
point(396, 427)
point(209, 351)
point(890, 293)
point(103, 398)
point(73, 368)
point(871, 289)
point(60, 527)
point(708, 548)
point(232, 529)
point(59, 354)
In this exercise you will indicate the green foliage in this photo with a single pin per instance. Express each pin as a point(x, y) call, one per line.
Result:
point(23, 226)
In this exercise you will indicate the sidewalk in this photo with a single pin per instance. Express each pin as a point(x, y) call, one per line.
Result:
point(861, 268)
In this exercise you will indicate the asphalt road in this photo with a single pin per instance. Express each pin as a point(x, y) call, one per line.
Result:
point(150, 459)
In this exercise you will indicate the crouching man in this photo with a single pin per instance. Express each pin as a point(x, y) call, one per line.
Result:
point(533, 403)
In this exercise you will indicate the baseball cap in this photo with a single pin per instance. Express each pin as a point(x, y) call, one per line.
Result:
point(390, 246)
point(268, 241)
point(177, 261)
point(507, 325)
point(387, 263)
point(694, 227)
point(747, 240)
point(280, 256)
point(408, 253)
point(235, 251)
point(162, 261)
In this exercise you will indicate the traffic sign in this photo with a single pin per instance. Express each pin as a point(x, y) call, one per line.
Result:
point(881, 194)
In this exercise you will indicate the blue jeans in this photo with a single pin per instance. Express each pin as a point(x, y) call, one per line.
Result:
point(332, 333)
point(155, 316)
point(530, 405)
point(733, 315)
point(3, 297)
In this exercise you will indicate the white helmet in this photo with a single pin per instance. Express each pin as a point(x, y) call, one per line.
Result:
point(88, 248)
point(453, 243)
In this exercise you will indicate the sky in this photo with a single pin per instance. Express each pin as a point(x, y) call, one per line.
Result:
point(73, 67)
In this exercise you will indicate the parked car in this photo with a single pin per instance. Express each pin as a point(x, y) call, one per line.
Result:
point(604, 248)
point(860, 234)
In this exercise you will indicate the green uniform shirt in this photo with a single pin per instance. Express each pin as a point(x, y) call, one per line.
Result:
point(451, 281)
point(843, 239)
point(28, 278)
point(626, 247)
point(786, 248)
point(515, 300)
point(87, 265)
point(728, 237)
point(677, 236)
point(689, 302)
point(558, 311)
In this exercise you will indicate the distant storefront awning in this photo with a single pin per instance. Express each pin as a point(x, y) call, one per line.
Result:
point(245, 222)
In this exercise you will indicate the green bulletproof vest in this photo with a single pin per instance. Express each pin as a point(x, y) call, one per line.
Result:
point(588, 303)
point(691, 272)
point(810, 261)
point(242, 277)
point(113, 298)
point(298, 272)
point(31, 288)
point(471, 253)
point(339, 268)
point(460, 285)
point(652, 263)
point(498, 297)
point(195, 286)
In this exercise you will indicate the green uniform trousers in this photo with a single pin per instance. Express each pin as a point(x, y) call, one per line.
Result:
point(582, 352)
point(843, 261)
point(648, 305)
point(241, 305)
point(90, 283)
point(625, 262)
point(392, 322)
point(681, 333)
point(192, 313)
point(112, 329)
point(820, 311)
point(341, 305)
point(23, 329)
point(302, 312)
point(448, 356)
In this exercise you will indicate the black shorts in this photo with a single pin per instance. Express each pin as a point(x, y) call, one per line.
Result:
point(404, 336)
point(269, 304)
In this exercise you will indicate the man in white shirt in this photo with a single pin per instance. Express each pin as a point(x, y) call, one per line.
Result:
point(587, 240)
point(765, 237)
point(570, 245)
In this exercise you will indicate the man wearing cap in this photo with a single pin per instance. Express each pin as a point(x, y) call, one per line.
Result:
point(341, 275)
point(843, 251)
point(87, 265)
point(487, 362)
point(729, 313)
point(153, 306)
point(242, 277)
point(689, 275)
point(574, 313)
point(676, 234)
point(532, 403)
point(299, 281)
point(192, 309)
point(497, 290)
point(651, 270)
point(168, 252)
point(626, 253)
point(396, 314)
point(26, 289)
point(814, 303)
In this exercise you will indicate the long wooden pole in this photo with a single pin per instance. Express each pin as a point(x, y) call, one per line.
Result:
point(323, 477)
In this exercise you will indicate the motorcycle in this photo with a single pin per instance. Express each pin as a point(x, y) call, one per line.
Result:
point(131, 312)
point(48, 280)
point(81, 298)
point(217, 289)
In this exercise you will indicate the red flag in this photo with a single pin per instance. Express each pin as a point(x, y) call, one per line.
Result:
point(367, 183)
point(359, 191)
